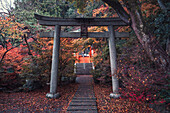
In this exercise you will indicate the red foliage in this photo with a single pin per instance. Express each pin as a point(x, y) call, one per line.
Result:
point(141, 81)
point(121, 105)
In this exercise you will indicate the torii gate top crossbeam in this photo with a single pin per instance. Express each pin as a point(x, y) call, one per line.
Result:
point(52, 21)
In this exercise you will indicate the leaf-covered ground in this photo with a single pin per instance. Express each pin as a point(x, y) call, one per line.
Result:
point(36, 101)
point(105, 104)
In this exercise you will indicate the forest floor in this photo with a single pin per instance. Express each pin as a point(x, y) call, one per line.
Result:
point(121, 105)
point(35, 101)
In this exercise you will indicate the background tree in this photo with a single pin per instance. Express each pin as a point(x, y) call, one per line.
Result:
point(11, 34)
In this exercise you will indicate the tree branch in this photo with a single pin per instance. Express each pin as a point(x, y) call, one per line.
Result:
point(6, 53)
point(29, 50)
point(119, 10)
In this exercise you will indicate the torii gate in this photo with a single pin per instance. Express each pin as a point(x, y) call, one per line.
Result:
point(84, 23)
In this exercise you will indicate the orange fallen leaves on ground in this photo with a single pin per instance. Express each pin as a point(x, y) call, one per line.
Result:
point(121, 105)
point(36, 101)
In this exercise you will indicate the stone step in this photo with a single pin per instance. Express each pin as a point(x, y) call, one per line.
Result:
point(87, 91)
point(91, 111)
point(85, 88)
point(83, 101)
point(83, 73)
point(82, 69)
point(84, 94)
point(84, 98)
point(82, 108)
point(82, 104)
point(83, 64)
point(80, 92)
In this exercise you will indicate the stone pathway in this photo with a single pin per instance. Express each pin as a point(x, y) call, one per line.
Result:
point(84, 100)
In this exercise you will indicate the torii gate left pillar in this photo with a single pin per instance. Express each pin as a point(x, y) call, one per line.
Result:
point(54, 69)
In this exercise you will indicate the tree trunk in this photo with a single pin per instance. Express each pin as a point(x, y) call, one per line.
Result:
point(148, 41)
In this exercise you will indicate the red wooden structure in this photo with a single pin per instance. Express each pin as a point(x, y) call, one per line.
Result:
point(86, 56)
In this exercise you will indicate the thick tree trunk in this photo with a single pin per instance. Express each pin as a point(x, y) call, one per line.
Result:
point(148, 41)
point(119, 9)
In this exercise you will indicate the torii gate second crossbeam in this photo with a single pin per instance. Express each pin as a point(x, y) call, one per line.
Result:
point(58, 22)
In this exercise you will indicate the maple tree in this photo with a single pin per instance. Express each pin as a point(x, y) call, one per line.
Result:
point(13, 51)
point(11, 34)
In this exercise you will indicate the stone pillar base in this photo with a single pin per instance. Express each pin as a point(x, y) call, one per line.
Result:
point(53, 95)
point(115, 95)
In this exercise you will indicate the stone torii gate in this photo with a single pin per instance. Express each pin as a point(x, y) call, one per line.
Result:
point(84, 23)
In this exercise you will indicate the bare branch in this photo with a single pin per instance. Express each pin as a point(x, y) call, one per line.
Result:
point(6, 5)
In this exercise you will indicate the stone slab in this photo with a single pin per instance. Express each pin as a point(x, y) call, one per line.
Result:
point(82, 108)
point(83, 103)
point(92, 111)
point(84, 98)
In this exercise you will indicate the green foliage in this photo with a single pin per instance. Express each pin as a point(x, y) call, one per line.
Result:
point(161, 23)
point(25, 10)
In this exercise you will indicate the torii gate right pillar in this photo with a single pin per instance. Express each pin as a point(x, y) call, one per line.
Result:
point(113, 65)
